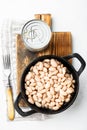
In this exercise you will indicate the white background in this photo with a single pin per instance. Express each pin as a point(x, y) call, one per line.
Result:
point(68, 15)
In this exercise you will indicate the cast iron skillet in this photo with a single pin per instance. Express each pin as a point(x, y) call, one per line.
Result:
point(72, 70)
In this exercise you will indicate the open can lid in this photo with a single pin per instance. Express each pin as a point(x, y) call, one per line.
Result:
point(36, 35)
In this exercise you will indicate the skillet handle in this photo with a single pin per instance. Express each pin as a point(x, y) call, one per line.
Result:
point(19, 110)
point(83, 63)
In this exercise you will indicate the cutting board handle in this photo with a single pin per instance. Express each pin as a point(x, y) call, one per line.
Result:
point(18, 108)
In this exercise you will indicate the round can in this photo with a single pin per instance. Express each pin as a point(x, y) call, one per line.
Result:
point(36, 35)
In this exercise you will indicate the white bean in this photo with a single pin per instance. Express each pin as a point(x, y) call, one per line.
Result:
point(64, 88)
point(43, 103)
point(44, 69)
point(54, 77)
point(47, 99)
point(33, 92)
point(32, 84)
point(53, 63)
point(51, 81)
point(47, 60)
point(52, 69)
point(46, 78)
point(31, 100)
point(35, 97)
point(28, 76)
point(52, 92)
point(47, 85)
point(64, 70)
point(27, 92)
point(44, 95)
point(55, 108)
point(35, 70)
point(46, 105)
point(32, 80)
point(29, 89)
point(49, 95)
point(40, 66)
point(39, 95)
point(37, 78)
point(39, 88)
point(62, 92)
point(38, 104)
point(39, 100)
point(62, 98)
point(52, 104)
point(33, 88)
point(70, 90)
point(42, 81)
point(67, 99)
point(27, 82)
point(39, 84)
point(73, 81)
point(60, 103)
point(57, 89)
point(46, 65)
point(60, 75)
point(43, 91)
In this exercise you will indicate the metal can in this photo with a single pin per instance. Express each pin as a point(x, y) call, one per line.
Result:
point(36, 35)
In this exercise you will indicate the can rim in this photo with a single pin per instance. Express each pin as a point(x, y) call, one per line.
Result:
point(32, 48)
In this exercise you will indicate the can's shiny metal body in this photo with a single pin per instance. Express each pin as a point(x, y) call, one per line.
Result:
point(36, 35)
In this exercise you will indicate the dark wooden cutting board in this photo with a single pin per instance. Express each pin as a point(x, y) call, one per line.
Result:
point(60, 45)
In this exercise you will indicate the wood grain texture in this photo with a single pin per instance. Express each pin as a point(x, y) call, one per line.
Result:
point(44, 17)
point(60, 45)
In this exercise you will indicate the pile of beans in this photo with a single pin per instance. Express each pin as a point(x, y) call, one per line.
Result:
point(49, 84)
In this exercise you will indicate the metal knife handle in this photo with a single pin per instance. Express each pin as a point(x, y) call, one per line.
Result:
point(10, 105)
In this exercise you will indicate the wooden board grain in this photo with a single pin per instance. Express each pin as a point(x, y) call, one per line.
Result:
point(60, 45)
point(44, 17)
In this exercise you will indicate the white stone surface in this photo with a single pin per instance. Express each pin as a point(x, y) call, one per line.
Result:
point(68, 15)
